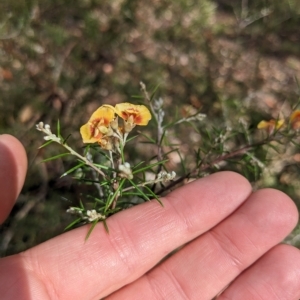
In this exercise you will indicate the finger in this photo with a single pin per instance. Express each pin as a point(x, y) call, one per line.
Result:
point(212, 261)
point(13, 166)
point(275, 276)
point(139, 238)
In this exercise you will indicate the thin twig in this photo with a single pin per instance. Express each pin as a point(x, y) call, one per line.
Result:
point(203, 167)
point(159, 120)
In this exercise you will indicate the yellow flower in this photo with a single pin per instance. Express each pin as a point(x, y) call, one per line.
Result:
point(270, 125)
point(98, 125)
point(295, 119)
point(133, 114)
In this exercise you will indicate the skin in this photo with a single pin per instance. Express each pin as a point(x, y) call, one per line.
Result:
point(230, 237)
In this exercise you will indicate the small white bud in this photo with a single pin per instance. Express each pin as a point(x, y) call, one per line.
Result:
point(40, 126)
point(127, 165)
point(125, 170)
point(93, 215)
point(47, 129)
point(165, 177)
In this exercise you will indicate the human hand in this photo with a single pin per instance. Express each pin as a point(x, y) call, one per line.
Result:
point(232, 237)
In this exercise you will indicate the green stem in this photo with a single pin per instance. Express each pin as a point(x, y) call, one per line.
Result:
point(113, 200)
point(122, 151)
point(143, 184)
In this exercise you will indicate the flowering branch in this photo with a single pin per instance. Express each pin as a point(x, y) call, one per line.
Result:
point(52, 137)
point(123, 185)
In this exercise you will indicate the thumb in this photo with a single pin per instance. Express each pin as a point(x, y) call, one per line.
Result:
point(13, 166)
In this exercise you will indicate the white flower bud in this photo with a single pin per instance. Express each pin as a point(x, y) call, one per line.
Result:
point(125, 170)
point(40, 126)
point(93, 215)
point(165, 177)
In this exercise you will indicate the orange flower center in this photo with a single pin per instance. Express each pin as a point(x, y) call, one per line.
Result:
point(98, 127)
point(132, 115)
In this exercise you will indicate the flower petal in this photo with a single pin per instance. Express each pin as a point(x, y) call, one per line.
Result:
point(105, 112)
point(263, 124)
point(270, 125)
point(98, 124)
point(279, 123)
point(86, 134)
point(295, 119)
point(144, 116)
point(136, 114)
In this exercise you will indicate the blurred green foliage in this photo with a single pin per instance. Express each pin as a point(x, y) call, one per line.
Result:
point(62, 59)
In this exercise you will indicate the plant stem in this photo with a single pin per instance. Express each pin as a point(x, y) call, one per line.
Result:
point(201, 168)
point(84, 159)
point(142, 184)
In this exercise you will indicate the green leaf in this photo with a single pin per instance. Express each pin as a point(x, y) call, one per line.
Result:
point(295, 143)
point(137, 96)
point(103, 167)
point(72, 224)
point(65, 140)
point(86, 149)
point(56, 156)
point(162, 136)
point(194, 127)
point(111, 199)
point(131, 138)
point(182, 162)
point(138, 189)
point(105, 226)
point(294, 107)
point(91, 229)
point(81, 204)
point(154, 195)
point(73, 169)
point(170, 124)
point(208, 134)
point(149, 166)
point(140, 163)
point(274, 148)
point(103, 183)
point(147, 137)
point(154, 91)
point(46, 144)
point(133, 194)
point(58, 128)
point(98, 200)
